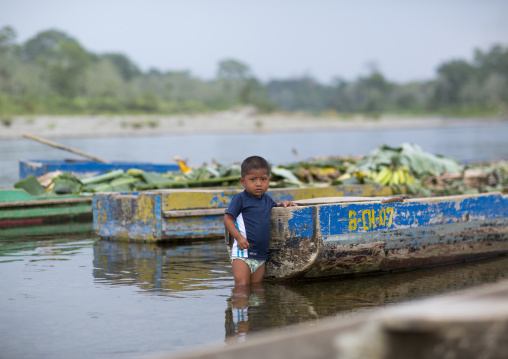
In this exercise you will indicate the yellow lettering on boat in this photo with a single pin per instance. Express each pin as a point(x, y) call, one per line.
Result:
point(390, 211)
point(382, 217)
point(369, 220)
point(352, 222)
point(366, 223)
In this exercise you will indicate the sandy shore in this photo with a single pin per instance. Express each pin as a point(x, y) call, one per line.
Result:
point(221, 122)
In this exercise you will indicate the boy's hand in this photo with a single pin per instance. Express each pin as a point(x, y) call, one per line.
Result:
point(287, 204)
point(242, 243)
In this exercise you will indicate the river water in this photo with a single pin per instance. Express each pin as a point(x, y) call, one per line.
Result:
point(479, 142)
point(83, 297)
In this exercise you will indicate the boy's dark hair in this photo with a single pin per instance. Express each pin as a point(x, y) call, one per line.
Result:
point(254, 163)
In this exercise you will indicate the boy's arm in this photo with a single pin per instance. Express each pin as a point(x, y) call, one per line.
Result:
point(229, 223)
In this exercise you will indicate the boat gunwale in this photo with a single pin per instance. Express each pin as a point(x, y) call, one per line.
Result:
point(44, 202)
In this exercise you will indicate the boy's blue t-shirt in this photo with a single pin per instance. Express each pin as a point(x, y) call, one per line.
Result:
point(252, 216)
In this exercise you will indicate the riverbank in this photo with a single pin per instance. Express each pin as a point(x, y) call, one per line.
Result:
point(240, 121)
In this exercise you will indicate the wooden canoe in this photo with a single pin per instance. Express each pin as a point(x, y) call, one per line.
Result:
point(24, 215)
point(179, 214)
point(349, 236)
point(84, 168)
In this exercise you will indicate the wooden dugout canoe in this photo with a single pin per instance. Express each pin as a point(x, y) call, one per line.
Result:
point(348, 236)
point(178, 214)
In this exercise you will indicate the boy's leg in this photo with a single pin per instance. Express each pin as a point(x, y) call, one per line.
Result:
point(241, 272)
point(258, 275)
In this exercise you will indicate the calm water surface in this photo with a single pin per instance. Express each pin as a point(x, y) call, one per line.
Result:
point(81, 297)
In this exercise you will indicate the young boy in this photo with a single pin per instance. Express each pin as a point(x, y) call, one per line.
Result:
point(248, 220)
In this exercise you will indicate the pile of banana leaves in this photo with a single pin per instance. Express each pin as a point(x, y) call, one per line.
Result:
point(138, 180)
point(426, 174)
point(407, 169)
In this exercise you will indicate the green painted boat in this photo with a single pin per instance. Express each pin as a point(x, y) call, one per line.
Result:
point(22, 214)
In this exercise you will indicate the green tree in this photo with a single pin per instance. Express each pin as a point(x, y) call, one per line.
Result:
point(493, 61)
point(7, 40)
point(452, 78)
point(375, 92)
point(125, 67)
point(44, 46)
point(67, 74)
point(8, 56)
point(232, 70)
point(63, 58)
point(300, 94)
point(232, 77)
point(254, 93)
point(492, 71)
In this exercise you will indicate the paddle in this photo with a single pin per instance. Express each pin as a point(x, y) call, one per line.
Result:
point(65, 148)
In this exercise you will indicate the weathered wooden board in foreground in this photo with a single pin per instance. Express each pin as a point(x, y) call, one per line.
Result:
point(371, 236)
point(191, 213)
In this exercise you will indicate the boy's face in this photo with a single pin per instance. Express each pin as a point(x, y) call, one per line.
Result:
point(256, 182)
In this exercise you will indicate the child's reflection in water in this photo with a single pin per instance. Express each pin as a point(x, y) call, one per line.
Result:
point(243, 297)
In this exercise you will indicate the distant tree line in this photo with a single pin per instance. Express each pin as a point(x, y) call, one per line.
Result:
point(52, 73)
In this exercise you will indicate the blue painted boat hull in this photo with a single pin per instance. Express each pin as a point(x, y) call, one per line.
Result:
point(348, 237)
point(81, 168)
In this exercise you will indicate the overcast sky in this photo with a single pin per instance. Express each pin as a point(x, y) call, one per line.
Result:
point(405, 40)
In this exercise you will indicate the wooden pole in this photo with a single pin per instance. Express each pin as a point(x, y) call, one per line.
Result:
point(65, 148)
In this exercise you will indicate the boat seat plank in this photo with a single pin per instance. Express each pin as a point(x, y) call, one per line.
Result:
point(194, 212)
point(329, 200)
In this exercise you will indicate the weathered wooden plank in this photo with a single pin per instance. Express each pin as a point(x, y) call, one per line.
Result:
point(47, 202)
point(210, 226)
point(329, 200)
point(194, 212)
point(176, 200)
point(74, 227)
point(47, 210)
point(472, 324)
point(296, 194)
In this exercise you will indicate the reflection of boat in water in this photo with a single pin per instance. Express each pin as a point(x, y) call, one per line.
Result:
point(289, 303)
point(161, 267)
